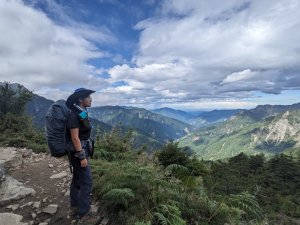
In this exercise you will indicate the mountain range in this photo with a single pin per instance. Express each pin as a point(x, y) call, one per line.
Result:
point(265, 129)
point(148, 128)
point(156, 126)
point(199, 118)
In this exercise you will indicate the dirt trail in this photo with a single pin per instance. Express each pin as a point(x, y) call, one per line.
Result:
point(35, 172)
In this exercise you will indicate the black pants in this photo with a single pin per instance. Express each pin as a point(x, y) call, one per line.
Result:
point(81, 185)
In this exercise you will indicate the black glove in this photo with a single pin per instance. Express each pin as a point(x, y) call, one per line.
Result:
point(80, 155)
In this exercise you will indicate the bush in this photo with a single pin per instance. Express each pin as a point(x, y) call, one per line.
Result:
point(134, 189)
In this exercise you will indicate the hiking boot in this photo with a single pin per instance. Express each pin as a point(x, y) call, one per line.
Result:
point(89, 219)
point(73, 211)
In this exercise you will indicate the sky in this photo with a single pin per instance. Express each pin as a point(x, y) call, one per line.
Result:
point(189, 55)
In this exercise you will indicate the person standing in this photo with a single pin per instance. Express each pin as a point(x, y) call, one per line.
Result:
point(78, 134)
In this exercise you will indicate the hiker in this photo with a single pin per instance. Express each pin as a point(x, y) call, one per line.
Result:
point(78, 132)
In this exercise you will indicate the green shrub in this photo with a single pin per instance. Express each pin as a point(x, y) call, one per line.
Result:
point(133, 188)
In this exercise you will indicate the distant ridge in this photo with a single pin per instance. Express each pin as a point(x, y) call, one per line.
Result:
point(268, 129)
point(156, 126)
point(174, 113)
point(200, 118)
point(263, 111)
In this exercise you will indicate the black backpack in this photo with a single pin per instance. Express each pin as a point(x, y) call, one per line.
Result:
point(56, 122)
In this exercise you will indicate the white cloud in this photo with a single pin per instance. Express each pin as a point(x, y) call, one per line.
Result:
point(239, 76)
point(190, 53)
point(210, 104)
point(216, 49)
point(42, 55)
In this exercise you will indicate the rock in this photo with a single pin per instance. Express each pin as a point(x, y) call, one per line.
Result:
point(25, 152)
point(67, 193)
point(33, 215)
point(29, 203)
point(13, 207)
point(51, 209)
point(24, 205)
point(10, 219)
point(59, 175)
point(2, 173)
point(36, 205)
point(104, 221)
point(94, 209)
point(50, 165)
point(10, 158)
point(46, 222)
point(11, 189)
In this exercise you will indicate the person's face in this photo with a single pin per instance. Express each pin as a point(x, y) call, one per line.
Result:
point(87, 102)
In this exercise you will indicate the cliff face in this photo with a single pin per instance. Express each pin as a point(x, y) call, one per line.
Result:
point(278, 134)
point(274, 134)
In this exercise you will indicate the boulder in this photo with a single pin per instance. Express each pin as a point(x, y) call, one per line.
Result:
point(10, 158)
point(10, 219)
point(11, 189)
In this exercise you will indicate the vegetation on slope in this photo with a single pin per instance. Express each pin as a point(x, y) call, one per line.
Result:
point(274, 183)
point(156, 126)
point(270, 136)
point(16, 129)
point(165, 188)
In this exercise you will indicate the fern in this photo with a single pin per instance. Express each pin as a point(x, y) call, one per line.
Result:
point(247, 203)
point(142, 223)
point(169, 215)
point(161, 218)
point(119, 196)
point(102, 153)
point(183, 174)
point(176, 168)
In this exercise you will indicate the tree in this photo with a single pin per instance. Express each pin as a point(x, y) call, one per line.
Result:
point(16, 129)
point(172, 154)
point(13, 101)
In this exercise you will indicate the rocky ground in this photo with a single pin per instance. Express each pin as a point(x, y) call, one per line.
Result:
point(35, 189)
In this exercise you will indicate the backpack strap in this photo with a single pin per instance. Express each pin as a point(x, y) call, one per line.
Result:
point(69, 157)
point(68, 150)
